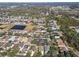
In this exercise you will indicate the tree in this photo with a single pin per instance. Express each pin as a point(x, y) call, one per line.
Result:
point(37, 54)
point(12, 52)
point(53, 50)
point(28, 54)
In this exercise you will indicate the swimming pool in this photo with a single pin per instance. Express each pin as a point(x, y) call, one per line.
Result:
point(18, 27)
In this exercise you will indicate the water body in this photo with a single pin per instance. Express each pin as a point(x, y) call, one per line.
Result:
point(21, 4)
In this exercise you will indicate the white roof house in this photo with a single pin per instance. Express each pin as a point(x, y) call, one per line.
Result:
point(77, 29)
point(13, 38)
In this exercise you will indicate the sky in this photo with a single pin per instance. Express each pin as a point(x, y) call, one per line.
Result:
point(39, 0)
